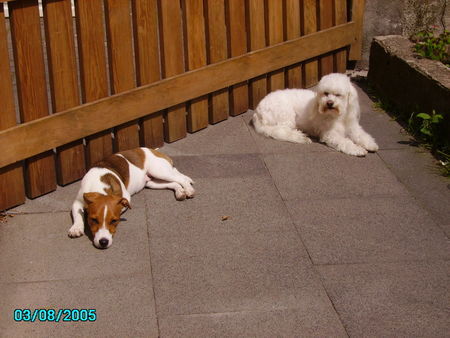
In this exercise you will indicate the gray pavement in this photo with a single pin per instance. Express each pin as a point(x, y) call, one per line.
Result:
point(315, 243)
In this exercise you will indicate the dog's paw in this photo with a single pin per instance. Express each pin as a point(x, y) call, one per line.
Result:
point(180, 194)
point(190, 192)
point(307, 140)
point(76, 231)
point(356, 151)
point(371, 146)
point(298, 137)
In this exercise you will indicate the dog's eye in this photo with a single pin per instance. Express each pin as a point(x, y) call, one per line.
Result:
point(326, 93)
point(94, 220)
point(114, 221)
point(338, 95)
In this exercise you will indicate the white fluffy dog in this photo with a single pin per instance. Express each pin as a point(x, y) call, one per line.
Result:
point(331, 113)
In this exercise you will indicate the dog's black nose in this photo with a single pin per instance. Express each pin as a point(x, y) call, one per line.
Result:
point(330, 104)
point(103, 242)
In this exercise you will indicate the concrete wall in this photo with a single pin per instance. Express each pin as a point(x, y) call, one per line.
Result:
point(403, 17)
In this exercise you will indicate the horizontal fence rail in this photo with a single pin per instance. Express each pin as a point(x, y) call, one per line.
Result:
point(124, 73)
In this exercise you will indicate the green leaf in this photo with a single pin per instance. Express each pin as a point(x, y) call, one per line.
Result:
point(425, 131)
point(424, 116)
point(436, 118)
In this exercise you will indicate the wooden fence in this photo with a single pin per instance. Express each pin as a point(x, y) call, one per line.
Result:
point(124, 73)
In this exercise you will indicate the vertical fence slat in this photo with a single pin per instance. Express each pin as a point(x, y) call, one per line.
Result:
point(12, 191)
point(172, 61)
point(357, 17)
point(217, 51)
point(326, 21)
point(64, 83)
point(121, 65)
point(341, 17)
point(275, 33)
point(238, 46)
point(196, 57)
point(293, 31)
point(94, 79)
point(147, 65)
point(310, 20)
point(258, 86)
point(40, 171)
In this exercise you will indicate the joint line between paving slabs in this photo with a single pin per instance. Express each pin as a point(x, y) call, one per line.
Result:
point(304, 245)
point(413, 196)
point(151, 270)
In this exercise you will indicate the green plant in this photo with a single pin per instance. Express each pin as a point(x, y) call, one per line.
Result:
point(445, 162)
point(429, 124)
point(433, 47)
point(427, 128)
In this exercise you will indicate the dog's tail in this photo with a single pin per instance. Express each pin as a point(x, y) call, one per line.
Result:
point(278, 132)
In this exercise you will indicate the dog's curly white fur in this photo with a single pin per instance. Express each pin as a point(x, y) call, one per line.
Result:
point(331, 113)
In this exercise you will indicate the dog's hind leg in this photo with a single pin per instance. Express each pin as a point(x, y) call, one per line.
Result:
point(180, 194)
point(186, 177)
point(282, 133)
point(163, 170)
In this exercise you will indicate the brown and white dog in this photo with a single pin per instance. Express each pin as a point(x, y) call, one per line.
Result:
point(107, 188)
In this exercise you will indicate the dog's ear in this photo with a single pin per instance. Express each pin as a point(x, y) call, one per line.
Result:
point(353, 102)
point(124, 203)
point(90, 197)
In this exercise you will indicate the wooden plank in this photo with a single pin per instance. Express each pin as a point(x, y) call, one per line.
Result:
point(358, 19)
point(12, 189)
point(195, 41)
point(90, 118)
point(341, 18)
point(310, 19)
point(258, 87)
point(275, 21)
point(172, 64)
point(121, 65)
point(326, 21)
point(293, 30)
point(40, 171)
point(93, 75)
point(238, 46)
point(146, 46)
point(217, 51)
point(64, 82)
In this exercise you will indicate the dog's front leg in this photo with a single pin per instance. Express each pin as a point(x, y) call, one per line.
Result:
point(77, 229)
point(337, 141)
point(358, 135)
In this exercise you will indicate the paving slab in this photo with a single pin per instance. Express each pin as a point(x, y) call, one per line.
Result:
point(35, 247)
point(386, 131)
point(124, 307)
point(232, 272)
point(331, 175)
point(221, 166)
point(314, 320)
point(418, 171)
point(227, 137)
point(355, 230)
point(408, 299)
point(222, 205)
